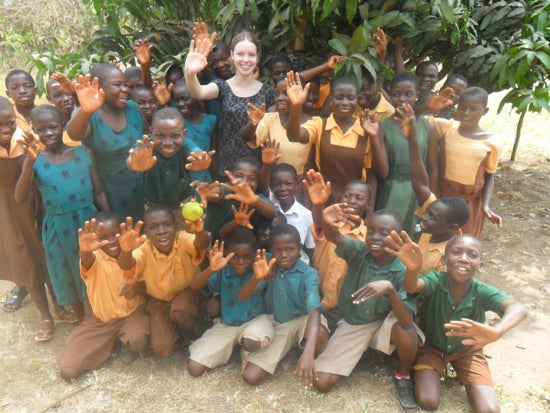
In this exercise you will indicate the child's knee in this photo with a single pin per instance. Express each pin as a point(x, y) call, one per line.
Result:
point(325, 382)
point(138, 343)
point(404, 336)
point(253, 374)
point(428, 402)
point(195, 369)
point(322, 340)
point(69, 373)
point(250, 345)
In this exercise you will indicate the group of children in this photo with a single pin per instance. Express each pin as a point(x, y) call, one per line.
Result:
point(305, 240)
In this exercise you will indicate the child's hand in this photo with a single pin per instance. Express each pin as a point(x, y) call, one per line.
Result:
point(88, 241)
point(405, 116)
point(161, 91)
point(194, 227)
point(200, 32)
point(217, 259)
point(142, 159)
point(306, 371)
point(131, 290)
point(474, 333)
point(338, 215)
point(31, 144)
point(370, 123)
point(372, 290)
point(317, 189)
point(196, 59)
point(242, 215)
point(66, 86)
point(296, 94)
point(262, 268)
point(334, 61)
point(241, 191)
point(441, 100)
point(199, 161)
point(90, 95)
point(255, 114)
point(207, 192)
point(402, 247)
point(142, 51)
point(270, 149)
point(129, 238)
point(380, 44)
point(492, 217)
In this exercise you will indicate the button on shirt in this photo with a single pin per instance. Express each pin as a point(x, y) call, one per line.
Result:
point(293, 292)
point(362, 269)
point(439, 308)
point(228, 284)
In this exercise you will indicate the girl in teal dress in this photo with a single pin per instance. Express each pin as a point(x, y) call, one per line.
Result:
point(391, 155)
point(69, 185)
point(110, 125)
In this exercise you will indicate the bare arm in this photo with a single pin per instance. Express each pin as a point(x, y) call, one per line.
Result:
point(195, 62)
point(297, 97)
point(91, 98)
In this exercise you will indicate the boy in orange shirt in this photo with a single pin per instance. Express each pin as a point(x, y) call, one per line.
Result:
point(118, 307)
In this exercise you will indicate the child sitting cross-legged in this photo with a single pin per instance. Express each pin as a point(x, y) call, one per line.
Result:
point(243, 321)
point(117, 303)
point(376, 311)
point(167, 260)
point(292, 296)
point(452, 316)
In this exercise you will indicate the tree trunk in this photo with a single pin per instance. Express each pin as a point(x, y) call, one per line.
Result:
point(518, 135)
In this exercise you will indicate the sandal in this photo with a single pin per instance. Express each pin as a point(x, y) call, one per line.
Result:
point(65, 316)
point(15, 300)
point(46, 331)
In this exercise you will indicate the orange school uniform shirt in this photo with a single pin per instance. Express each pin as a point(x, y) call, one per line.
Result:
point(166, 276)
point(16, 148)
point(383, 109)
point(104, 280)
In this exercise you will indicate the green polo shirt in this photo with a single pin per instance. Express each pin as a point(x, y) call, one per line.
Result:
point(293, 292)
point(362, 269)
point(439, 308)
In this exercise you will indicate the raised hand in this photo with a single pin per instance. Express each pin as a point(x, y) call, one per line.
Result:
point(255, 114)
point(200, 32)
point(66, 86)
point(88, 240)
point(317, 189)
point(199, 161)
point(161, 91)
point(142, 159)
point(474, 333)
point(241, 190)
point(206, 191)
point(296, 94)
point(380, 44)
point(262, 268)
point(408, 252)
point(142, 51)
point(90, 95)
point(129, 237)
point(270, 149)
point(338, 215)
point(370, 123)
point(194, 227)
point(334, 61)
point(196, 59)
point(132, 290)
point(492, 217)
point(217, 259)
point(404, 115)
point(242, 215)
point(441, 100)
point(31, 144)
point(371, 290)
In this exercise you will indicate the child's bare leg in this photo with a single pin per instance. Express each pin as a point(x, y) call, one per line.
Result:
point(195, 369)
point(56, 308)
point(38, 295)
point(326, 381)
point(250, 345)
point(427, 388)
point(253, 374)
point(483, 398)
point(186, 322)
point(68, 373)
point(406, 343)
point(322, 340)
point(78, 310)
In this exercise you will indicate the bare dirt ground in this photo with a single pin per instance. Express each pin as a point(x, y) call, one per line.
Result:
point(516, 260)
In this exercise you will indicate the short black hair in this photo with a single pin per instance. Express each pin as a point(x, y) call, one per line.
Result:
point(343, 80)
point(102, 70)
point(157, 208)
point(458, 211)
point(459, 237)
point(366, 75)
point(18, 72)
point(283, 167)
point(280, 58)
point(44, 109)
point(477, 92)
point(5, 105)
point(133, 72)
point(239, 236)
point(404, 77)
point(426, 63)
point(284, 229)
point(167, 113)
point(138, 89)
point(174, 70)
point(390, 213)
point(455, 76)
point(104, 216)
point(367, 186)
point(248, 160)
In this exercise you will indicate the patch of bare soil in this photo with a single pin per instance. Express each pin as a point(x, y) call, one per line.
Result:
point(516, 261)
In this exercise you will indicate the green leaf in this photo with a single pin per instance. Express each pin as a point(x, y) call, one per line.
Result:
point(359, 40)
point(337, 45)
point(447, 11)
point(544, 58)
point(351, 10)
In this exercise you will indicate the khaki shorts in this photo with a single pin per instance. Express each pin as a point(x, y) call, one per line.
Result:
point(348, 343)
point(471, 367)
point(287, 335)
point(215, 346)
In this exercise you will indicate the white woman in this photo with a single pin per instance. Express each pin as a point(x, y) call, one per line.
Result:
point(234, 94)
